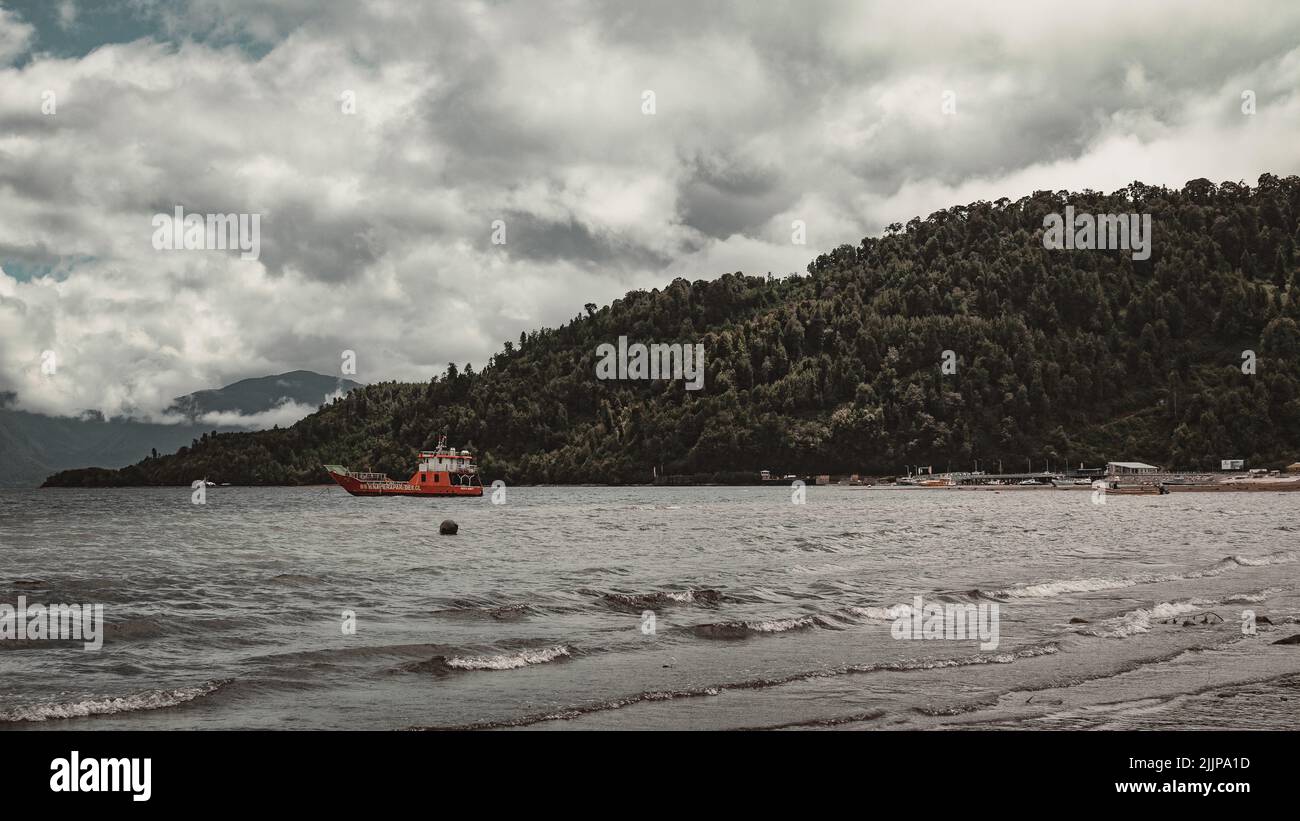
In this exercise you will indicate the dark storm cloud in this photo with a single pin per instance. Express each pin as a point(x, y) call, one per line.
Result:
point(296, 236)
point(720, 197)
point(533, 238)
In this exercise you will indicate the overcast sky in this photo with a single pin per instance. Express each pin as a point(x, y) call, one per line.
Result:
point(376, 226)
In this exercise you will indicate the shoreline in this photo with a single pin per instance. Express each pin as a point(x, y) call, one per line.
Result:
point(1224, 488)
point(1274, 486)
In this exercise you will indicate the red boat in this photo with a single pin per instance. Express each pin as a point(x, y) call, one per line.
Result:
point(442, 472)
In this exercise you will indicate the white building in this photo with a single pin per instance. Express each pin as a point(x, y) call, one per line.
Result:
point(1119, 468)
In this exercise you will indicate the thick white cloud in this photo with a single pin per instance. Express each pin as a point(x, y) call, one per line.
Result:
point(286, 413)
point(376, 226)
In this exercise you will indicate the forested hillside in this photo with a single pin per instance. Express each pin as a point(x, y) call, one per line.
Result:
point(1073, 356)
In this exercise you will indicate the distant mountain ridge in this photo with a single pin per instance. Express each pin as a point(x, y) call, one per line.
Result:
point(262, 394)
point(33, 445)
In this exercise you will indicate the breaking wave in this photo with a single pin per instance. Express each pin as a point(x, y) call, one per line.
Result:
point(510, 661)
point(744, 629)
point(1060, 586)
point(1142, 619)
point(649, 601)
point(873, 613)
point(904, 665)
point(839, 619)
point(136, 702)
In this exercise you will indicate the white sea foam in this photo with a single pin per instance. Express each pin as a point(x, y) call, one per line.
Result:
point(780, 625)
point(135, 702)
point(1058, 586)
point(875, 613)
point(510, 661)
point(1142, 619)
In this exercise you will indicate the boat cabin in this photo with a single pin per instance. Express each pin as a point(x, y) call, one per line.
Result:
point(445, 466)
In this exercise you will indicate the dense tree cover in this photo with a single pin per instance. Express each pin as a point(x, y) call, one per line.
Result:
point(1069, 356)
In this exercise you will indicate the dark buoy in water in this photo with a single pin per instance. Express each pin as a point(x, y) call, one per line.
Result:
point(448, 528)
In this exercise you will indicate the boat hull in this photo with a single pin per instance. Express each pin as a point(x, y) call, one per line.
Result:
point(393, 487)
point(1141, 490)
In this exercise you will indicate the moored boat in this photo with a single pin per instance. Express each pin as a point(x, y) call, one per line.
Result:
point(1072, 484)
point(936, 482)
point(1115, 489)
point(441, 472)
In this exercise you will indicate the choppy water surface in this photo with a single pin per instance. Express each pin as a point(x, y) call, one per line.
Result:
point(767, 614)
